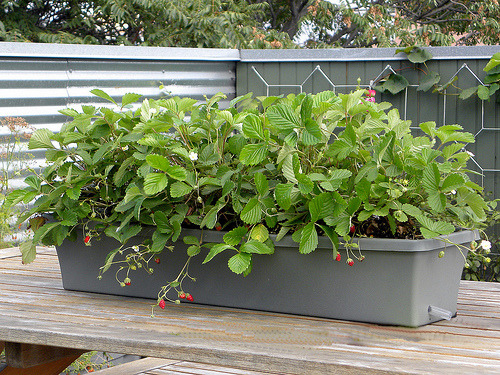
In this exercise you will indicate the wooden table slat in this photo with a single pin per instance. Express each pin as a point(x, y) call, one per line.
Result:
point(35, 309)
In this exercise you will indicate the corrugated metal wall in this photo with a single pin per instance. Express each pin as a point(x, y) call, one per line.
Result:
point(37, 80)
point(280, 72)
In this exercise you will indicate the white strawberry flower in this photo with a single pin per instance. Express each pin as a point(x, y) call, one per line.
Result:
point(486, 245)
point(193, 156)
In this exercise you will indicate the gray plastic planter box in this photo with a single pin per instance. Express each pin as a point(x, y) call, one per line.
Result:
point(400, 282)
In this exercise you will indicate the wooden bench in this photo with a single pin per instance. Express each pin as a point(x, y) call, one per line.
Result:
point(45, 327)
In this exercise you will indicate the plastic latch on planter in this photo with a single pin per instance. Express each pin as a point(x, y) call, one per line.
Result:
point(439, 312)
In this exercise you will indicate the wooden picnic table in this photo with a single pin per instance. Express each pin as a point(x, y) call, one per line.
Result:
point(45, 327)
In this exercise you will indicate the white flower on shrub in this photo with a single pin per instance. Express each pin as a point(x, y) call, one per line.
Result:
point(486, 245)
point(193, 156)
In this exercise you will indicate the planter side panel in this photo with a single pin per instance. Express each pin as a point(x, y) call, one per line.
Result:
point(388, 287)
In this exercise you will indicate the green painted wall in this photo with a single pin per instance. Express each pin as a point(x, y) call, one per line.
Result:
point(343, 67)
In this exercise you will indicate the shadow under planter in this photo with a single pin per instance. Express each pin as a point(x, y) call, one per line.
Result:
point(400, 282)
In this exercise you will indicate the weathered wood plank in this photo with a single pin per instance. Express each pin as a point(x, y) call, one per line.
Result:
point(140, 366)
point(190, 368)
point(52, 368)
point(35, 309)
point(12, 252)
point(26, 355)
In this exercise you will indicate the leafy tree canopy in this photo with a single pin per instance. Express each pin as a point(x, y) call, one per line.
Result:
point(252, 23)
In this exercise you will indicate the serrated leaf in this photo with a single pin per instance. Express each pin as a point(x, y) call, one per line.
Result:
point(240, 262)
point(193, 250)
point(282, 233)
point(452, 182)
point(400, 216)
point(226, 116)
point(159, 241)
point(253, 128)
point(317, 206)
point(411, 210)
point(101, 151)
point(283, 195)
point(304, 183)
point(217, 249)
point(69, 112)
point(431, 178)
point(235, 236)
point(308, 239)
point(282, 117)
point(253, 154)
point(190, 240)
point(306, 108)
point(158, 162)
point(41, 138)
point(103, 95)
point(43, 230)
point(477, 204)
point(210, 218)
point(330, 233)
point(155, 183)
point(177, 172)
point(343, 225)
point(130, 98)
point(287, 168)
point(261, 184)
point(251, 213)
point(427, 233)
point(179, 189)
point(363, 188)
point(259, 233)
point(353, 206)
point(443, 228)
point(437, 201)
point(118, 177)
point(256, 247)
point(28, 251)
point(312, 133)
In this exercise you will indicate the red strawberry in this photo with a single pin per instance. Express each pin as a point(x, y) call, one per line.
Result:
point(189, 297)
point(350, 262)
point(338, 257)
point(352, 229)
point(218, 227)
point(87, 239)
point(162, 304)
point(182, 295)
point(157, 260)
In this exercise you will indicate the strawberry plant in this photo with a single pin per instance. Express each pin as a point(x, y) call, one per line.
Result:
point(340, 166)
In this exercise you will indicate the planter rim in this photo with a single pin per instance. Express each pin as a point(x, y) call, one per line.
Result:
point(371, 244)
point(365, 244)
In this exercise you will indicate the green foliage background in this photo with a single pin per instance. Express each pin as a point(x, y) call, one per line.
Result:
point(252, 23)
